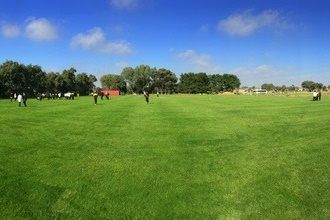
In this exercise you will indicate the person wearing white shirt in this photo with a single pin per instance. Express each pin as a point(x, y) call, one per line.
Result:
point(315, 96)
point(19, 99)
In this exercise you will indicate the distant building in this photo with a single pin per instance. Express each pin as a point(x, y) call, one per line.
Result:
point(260, 91)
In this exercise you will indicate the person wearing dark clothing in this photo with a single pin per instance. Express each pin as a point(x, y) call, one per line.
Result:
point(146, 96)
point(24, 97)
point(319, 95)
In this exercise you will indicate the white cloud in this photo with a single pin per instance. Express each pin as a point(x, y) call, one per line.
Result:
point(117, 47)
point(10, 31)
point(246, 23)
point(124, 4)
point(95, 39)
point(200, 62)
point(40, 29)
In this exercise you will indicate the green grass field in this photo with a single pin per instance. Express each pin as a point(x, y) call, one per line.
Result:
point(179, 157)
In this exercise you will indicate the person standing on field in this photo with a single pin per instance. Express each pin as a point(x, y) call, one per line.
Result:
point(319, 95)
point(19, 99)
point(314, 96)
point(146, 96)
point(24, 98)
point(95, 97)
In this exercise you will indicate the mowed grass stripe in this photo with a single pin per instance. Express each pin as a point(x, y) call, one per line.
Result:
point(178, 157)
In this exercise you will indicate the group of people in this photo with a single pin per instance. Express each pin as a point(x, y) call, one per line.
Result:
point(95, 94)
point(317, 96)
point(20, 97)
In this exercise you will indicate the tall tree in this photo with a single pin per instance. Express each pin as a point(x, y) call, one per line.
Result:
point(202, 84)
point(268, 86)
point(3, 89)
point(51, 78)
point(185, 83)
point(128, 76)
point(143, 75)
point(35, 79)
point(113, 81)
point(318, 86)
point(83, 84)
point(308, 85)
point(138, 79)
point(163, 80)
point(60, 84)
point(216, 83)
point(69, 79)
point(230, 82)
point(12, 76)
point(92, 80)
point(193, 83)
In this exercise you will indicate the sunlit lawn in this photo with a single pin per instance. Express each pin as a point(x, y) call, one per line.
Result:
point(179, 157)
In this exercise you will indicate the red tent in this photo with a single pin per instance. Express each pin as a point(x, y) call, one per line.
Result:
point(110, 92)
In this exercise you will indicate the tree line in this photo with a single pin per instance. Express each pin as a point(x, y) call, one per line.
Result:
point(31, 79)
point(16, 77)
point(306, 85)
point(144, 78)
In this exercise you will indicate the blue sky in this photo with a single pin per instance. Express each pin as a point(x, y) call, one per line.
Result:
point(283, 42)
